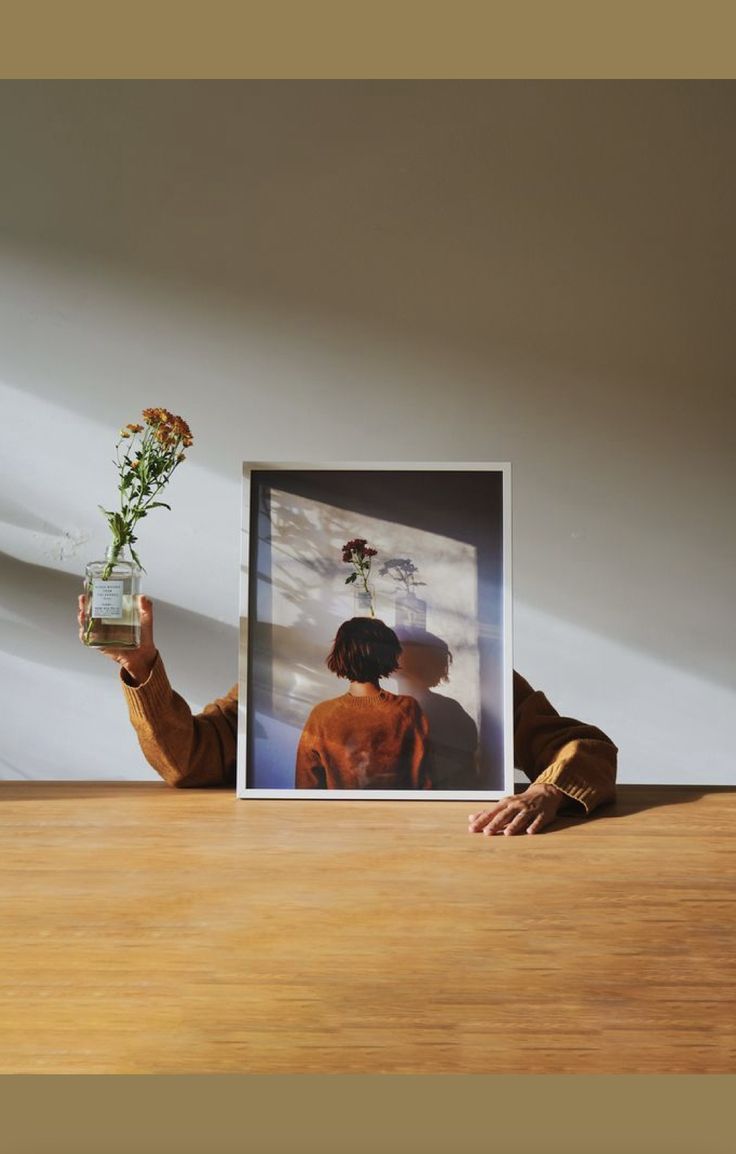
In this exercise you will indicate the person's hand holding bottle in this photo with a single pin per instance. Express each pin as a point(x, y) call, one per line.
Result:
point(139, 662)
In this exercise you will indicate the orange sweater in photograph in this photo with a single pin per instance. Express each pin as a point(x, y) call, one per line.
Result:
point(374, 742)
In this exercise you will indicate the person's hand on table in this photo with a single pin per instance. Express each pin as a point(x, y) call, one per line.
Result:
point(139, 662)
point(527, 812)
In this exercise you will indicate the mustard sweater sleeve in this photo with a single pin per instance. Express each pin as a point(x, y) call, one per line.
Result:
point(577, 758)
point(185, 749)
point(189, 749)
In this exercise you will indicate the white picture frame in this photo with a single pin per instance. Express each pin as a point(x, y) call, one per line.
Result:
point(451, 523)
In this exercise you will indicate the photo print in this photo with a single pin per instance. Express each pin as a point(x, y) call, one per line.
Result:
point(375, 648)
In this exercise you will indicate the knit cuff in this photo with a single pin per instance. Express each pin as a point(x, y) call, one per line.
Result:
point(583, 776)
point(570, 785)
point(147, 700)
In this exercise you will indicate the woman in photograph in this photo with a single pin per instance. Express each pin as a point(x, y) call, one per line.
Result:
point(367, 738)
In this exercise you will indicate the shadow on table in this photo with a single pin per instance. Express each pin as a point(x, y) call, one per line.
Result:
point(78, 790)
point(630, 800)
point(633, 799)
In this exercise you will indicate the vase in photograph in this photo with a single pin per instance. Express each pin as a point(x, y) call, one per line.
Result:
point(363, 603)
point(410, 610)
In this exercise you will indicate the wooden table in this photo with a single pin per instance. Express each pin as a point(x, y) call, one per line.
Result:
point(151, 930)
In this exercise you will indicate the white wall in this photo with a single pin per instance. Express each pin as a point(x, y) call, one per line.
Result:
point(538, 272)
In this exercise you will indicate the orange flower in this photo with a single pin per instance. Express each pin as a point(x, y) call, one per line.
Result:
point(141, 479)
point(182, 431)
point(168, 427)
point(157, 416)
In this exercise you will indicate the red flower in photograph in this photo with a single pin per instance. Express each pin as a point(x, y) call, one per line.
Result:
point(357, 552)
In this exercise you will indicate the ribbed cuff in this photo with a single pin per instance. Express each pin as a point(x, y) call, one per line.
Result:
point(151, 696)
point(567, 783)
point(586, 773)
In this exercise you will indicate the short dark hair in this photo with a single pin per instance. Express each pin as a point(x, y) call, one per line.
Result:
point(364, 649)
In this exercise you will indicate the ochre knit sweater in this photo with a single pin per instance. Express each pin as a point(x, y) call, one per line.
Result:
point(200, 750)
point(377, 742)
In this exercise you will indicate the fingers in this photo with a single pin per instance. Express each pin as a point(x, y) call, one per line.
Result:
point(523, 818)
point(540, 821)
point(510, 816)
point(478, 821)
point(513, 819)
point(145, 646)
point(80, 615)
point(491, 820)
point(145, 609)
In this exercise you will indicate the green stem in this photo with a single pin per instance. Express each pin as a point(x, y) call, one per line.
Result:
point(364, 570)
point(110, 562)
point(90, 620)
point(133, 515)
point(116, 547)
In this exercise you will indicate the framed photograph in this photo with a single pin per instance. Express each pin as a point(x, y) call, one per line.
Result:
point(375, 632)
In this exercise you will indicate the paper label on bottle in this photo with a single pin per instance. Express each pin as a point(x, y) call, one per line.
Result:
point(107, 599)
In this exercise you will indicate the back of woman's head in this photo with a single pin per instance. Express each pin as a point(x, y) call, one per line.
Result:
point(364, 649)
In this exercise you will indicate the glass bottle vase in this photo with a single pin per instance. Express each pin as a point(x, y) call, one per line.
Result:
point(111, 588)
point(363, 603)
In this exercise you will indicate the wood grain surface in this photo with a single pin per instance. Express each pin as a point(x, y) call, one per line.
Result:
point(151, 930)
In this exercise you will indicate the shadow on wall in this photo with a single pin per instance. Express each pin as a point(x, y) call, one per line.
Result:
point(530, 271)
point(41, 627)
point(525, 270)
point(424, 664)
